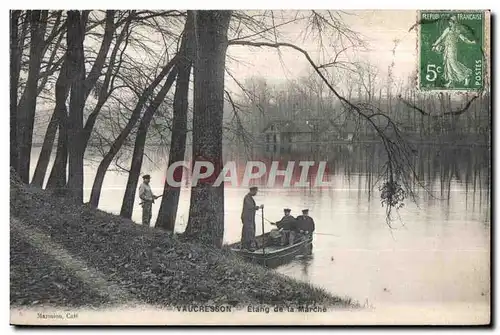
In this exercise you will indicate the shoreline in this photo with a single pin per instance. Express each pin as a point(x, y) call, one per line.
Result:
point(71, 255)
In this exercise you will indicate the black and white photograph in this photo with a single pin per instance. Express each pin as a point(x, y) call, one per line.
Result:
point(230, 167)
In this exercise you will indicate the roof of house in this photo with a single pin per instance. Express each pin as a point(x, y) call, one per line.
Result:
point(298, 127)
point(287, 126)
point(279, 123)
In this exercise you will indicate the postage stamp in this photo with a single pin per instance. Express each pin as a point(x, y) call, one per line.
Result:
point(451, 45)
point(323, 167)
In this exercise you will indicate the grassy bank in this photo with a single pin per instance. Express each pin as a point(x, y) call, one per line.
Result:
point(150, 265)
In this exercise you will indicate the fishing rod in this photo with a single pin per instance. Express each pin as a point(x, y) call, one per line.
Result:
point(326, 234)
point(142, 202)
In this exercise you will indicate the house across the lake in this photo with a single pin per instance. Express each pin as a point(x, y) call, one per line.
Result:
point(303, 134)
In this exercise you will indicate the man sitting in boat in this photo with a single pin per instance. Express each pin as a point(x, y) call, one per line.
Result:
point(305, 222)
point(287, 228)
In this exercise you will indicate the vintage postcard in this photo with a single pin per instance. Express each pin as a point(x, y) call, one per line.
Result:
point(263, 167)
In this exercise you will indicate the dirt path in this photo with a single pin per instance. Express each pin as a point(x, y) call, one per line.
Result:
point(79, 268)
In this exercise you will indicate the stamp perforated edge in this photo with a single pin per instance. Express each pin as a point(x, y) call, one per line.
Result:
point(486, 54)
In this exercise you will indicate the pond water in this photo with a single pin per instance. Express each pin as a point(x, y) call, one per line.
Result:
point(437, 254)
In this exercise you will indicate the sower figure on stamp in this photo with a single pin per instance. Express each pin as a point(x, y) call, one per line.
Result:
point(148, 198)
point(248, 219)
point(447, 43)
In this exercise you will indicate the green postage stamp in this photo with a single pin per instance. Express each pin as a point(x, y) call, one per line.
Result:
point(451, 45)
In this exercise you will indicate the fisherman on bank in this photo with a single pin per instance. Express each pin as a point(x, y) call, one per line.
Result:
point(148, 198)
point(248, 219)
point(305, 222)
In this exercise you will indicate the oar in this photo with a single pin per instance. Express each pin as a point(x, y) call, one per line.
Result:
point(317, 233)
point(142, 202)
point(263, 237)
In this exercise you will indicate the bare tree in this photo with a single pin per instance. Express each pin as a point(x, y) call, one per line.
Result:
point(107, 87)
point(120, 140)
point(60, 106)
point(170, 200)
point(76, 67)
point(15, 60)
point(38, 22)
point(62, 91)
point(140, 142)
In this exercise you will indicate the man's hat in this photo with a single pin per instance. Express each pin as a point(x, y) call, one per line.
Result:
point(287, 210)
point(305, 211)
point(146, 176)
point(254, 188)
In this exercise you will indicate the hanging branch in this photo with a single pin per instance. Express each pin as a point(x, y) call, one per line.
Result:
point(240, 130)
point(455, 112)
point(399, 170)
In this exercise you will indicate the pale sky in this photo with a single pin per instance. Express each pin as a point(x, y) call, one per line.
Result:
point(379, 29)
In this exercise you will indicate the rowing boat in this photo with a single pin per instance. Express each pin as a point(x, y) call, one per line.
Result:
point(274, 255)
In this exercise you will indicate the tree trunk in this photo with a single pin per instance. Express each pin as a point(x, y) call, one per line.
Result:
point(170, 199)
point(15, 65)
point(117, 144)
point(51, 66)
point(62, 86)
point(206, 212)
point(140, 141)
point(38, 21)
point(57, 178)
point(76, 67)
point(104, 92)
point(62, 90)
point(95, 71)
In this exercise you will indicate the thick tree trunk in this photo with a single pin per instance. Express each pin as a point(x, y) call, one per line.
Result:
point(57, 178)
point(76, 67)
point(170, 200)
point(45, 152)
point(206, 212)
point(62, 90)
point(118, 142)
point(140, 141)
point(38, 21)
point(14, 81)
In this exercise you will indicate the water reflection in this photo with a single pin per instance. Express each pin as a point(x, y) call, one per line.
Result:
point(438, 252)
point(305, 262)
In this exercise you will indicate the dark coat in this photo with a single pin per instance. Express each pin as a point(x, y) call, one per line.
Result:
point(248, 220)
point(306, 223)
point(249, 209)
point(287, 223)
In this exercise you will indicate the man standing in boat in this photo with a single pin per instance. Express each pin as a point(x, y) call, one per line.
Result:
point(305, 222)
point(248, 219)
point(148, 198)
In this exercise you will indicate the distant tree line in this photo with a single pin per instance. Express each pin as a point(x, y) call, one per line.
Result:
point(121, 77)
